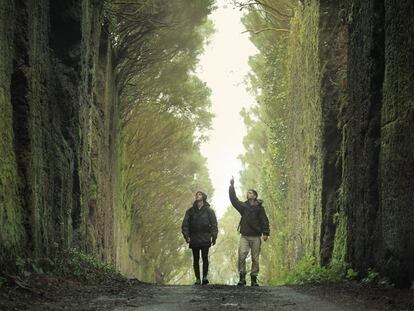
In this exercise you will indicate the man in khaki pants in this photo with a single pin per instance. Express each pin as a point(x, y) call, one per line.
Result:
point(253, 225)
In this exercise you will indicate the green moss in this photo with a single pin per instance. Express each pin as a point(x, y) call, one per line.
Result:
point(38, 124)
point(304, 133)
point(50, 145)
point(339, 250)
point(340, 218)
point(11, 216)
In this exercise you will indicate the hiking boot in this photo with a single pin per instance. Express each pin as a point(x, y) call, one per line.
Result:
point(242, 281)
point(205, 281)
point(197, 282)
point(254, 281)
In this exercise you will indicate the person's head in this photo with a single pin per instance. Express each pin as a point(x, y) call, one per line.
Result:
point(201, 196)
point(251, 194)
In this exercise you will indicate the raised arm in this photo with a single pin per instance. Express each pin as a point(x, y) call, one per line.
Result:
point(233, 198)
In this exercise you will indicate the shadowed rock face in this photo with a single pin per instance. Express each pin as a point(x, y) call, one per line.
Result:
point(362, 136)
point(397, 142)
point(59, 127)
point(377, 152)
point(331, 50)
point(366, 137)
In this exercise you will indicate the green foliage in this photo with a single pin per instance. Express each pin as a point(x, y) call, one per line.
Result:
point(340, 232)
point(351, 274)
point(374, 279)
point(308, 270)
point(21, 266)
point(283, 157)
point(274, 15)
point(71, 263)
point(165, 115)
point(304, 133)
point(371, 278)
point(25, 267)
point(165, 171)
point(86, 267)
point(143, 74)
point(156, 44)
point(265, 159)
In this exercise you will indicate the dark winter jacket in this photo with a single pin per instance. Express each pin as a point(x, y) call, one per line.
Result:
point(200, 225)
point(254, 221)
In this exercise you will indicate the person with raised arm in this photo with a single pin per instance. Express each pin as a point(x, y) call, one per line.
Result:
point(253, 226)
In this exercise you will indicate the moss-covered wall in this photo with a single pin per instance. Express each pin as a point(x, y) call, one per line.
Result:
point(304, 134)
point(361, 117)
point(351, 150)
point(317, 60)
point(397, 143)
point(350, 157)
point(333, 56)
point(12, 236)
point(59, 128)
point(378, 137)
point(98, 133)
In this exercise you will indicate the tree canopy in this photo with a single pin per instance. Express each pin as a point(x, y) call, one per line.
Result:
point(164, 114)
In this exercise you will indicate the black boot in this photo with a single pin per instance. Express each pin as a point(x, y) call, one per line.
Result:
point(197, 282)
point(205, 280)
point(254, 281)
point(242, 281)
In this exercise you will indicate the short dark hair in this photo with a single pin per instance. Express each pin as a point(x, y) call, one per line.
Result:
point(203, 195)
point(254, 191)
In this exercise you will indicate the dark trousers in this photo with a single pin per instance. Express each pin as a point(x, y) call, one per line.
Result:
point(196, 259)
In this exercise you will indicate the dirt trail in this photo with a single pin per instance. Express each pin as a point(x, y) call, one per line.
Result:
point(49, 293)
point(232, 298)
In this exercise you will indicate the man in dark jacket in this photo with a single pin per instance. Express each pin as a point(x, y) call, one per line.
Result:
point(253, 225)
point(199, 229)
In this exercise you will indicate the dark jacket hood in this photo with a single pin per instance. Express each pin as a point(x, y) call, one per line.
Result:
point(258, 201)
point(206, 204)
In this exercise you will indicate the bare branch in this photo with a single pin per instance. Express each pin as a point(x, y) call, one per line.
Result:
point(255, 32)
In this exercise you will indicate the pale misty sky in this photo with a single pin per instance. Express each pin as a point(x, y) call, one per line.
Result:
point(223, 66)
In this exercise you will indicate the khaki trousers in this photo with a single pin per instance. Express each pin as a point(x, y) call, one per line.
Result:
point(253, 244)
